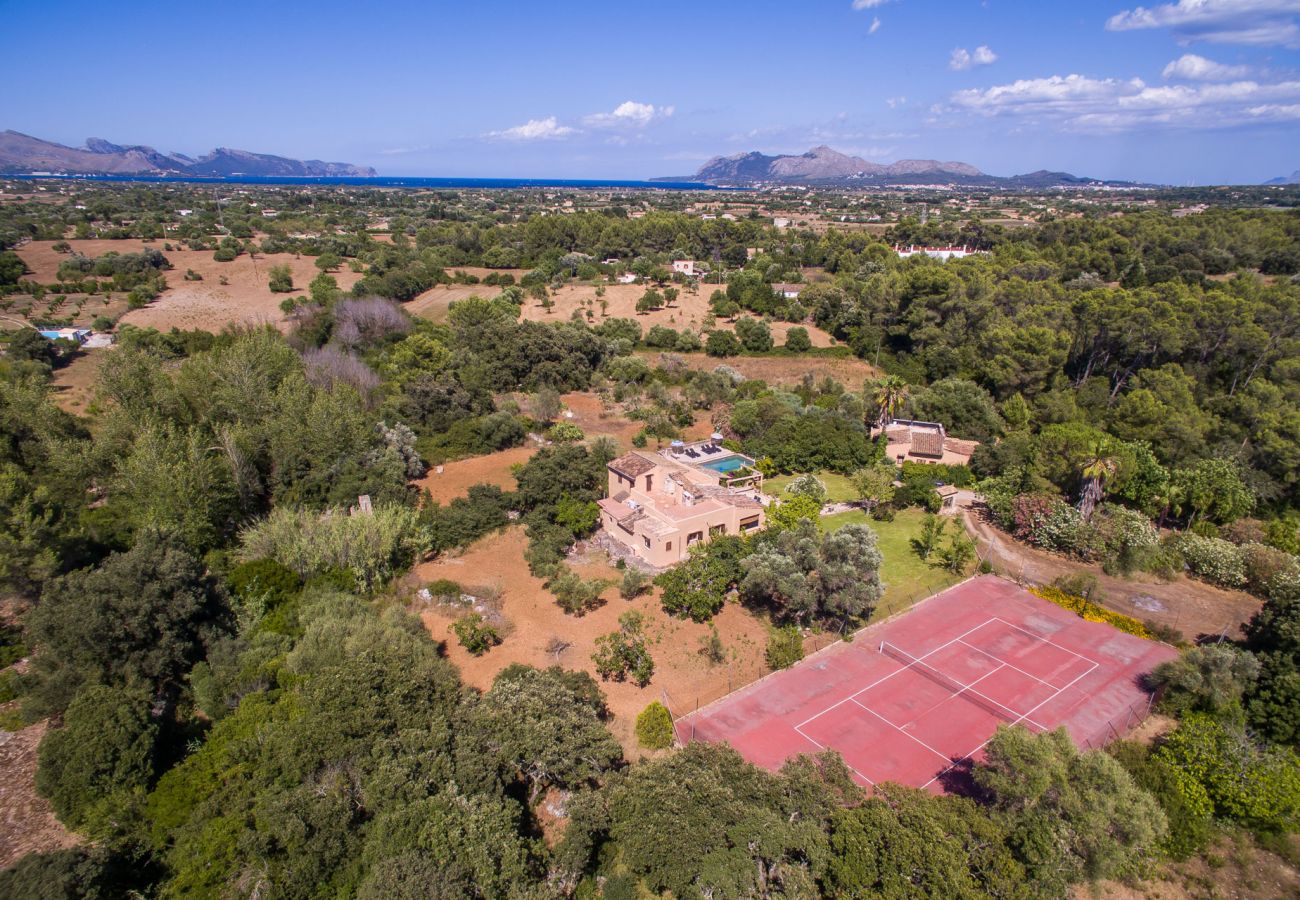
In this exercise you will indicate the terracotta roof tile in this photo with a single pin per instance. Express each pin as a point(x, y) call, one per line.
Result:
point(633, 465)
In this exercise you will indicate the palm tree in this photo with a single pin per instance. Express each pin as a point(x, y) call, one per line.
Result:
point(1097, 473)
point(889, 394)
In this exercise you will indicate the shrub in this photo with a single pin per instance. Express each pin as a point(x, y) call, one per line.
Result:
point(1262, 565)
point(622, 654)
point(105, 747)
point(281, 279)
point(1050, 523)
point(445, 590)
point(722, 343)
point(634, 584)
point(784, 647)
point(564, 433)
point(1257, 786)
point(1213, 559)
point(797, 341)
point(808, 486)
point(371, 547)
point(654, 727)
point(476, 634)
point(575, 596)
point(1128, 538)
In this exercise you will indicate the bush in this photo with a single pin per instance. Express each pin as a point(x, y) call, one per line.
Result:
point(564, 433)
point(784, 647)
point(634, 584)
point(1212, 559)
point(797, 340)
point(373, 548)
point(575, 596)
point(654, 727)
point(622, 654)
point(722, 343)
point(476, 634)
point(105, 747)
point(281, 279)
point(1243, 781)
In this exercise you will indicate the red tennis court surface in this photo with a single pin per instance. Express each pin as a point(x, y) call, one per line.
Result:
point(915, 698)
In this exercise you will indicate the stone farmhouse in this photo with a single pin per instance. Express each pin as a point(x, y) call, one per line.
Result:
point(660, 504)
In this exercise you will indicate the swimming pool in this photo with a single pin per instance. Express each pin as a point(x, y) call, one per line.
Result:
point(726, 464)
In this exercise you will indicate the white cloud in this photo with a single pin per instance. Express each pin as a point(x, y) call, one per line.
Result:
point(1191, 67)
point(875, 25)
point(963, 59)
point(895, 102)
point(545, 129)
point(868, 4)
point(1080, 103)
point(1257, 22)
point(629, 113)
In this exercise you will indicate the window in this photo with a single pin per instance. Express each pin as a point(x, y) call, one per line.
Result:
point(717, 529)
point(649, 481)
point(668, 545)
point(694, 537)
point(647, 542)
point(749, 524)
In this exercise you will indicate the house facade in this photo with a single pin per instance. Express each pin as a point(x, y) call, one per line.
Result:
point(660, 505)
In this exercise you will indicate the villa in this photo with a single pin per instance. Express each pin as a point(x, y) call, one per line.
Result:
point(908, 440)
point(660, 504)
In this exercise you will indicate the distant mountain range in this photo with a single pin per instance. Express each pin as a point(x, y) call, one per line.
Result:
point(1293, 178)
point(824, 166)
point(24, 154)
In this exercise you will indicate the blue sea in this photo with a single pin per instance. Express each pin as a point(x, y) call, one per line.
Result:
point(427, 183)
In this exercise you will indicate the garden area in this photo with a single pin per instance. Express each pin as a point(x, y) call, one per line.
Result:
point(907, 577)
point(839, 489)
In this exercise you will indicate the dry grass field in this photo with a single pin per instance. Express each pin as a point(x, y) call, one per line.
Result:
point(207, 304)
point(531, 619)
point(849, 371)
point(619, 301)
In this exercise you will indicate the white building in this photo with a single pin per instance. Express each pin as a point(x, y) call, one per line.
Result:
point(627, 278)
point(688, 267)
point(941, 253)
point(788, 291)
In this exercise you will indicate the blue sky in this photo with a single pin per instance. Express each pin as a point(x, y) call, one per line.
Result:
point(1193, 91)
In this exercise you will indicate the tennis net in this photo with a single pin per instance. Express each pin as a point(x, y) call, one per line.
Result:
point(964, 691)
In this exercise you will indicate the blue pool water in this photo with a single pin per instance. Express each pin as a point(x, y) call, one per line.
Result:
point(726, 464)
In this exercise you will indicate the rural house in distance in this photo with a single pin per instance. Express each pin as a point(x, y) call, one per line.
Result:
point(659, 505)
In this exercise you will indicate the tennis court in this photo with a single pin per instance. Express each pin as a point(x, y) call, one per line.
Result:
point(914, 699)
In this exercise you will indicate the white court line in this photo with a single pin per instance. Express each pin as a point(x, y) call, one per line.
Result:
point(822, 746)
point(889, 676)
point(969, 689)
point(903, 731)
point(1048, 641)
point(959, 639)
point(1025, 717)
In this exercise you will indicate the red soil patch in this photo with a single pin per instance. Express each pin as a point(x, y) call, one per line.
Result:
point(533, 618)
point(458, 477)
point(596, 418)
point(27, 823)
point(850, 371)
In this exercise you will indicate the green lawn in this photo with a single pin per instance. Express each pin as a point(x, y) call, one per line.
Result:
point(838, 487)
point(906, 576)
